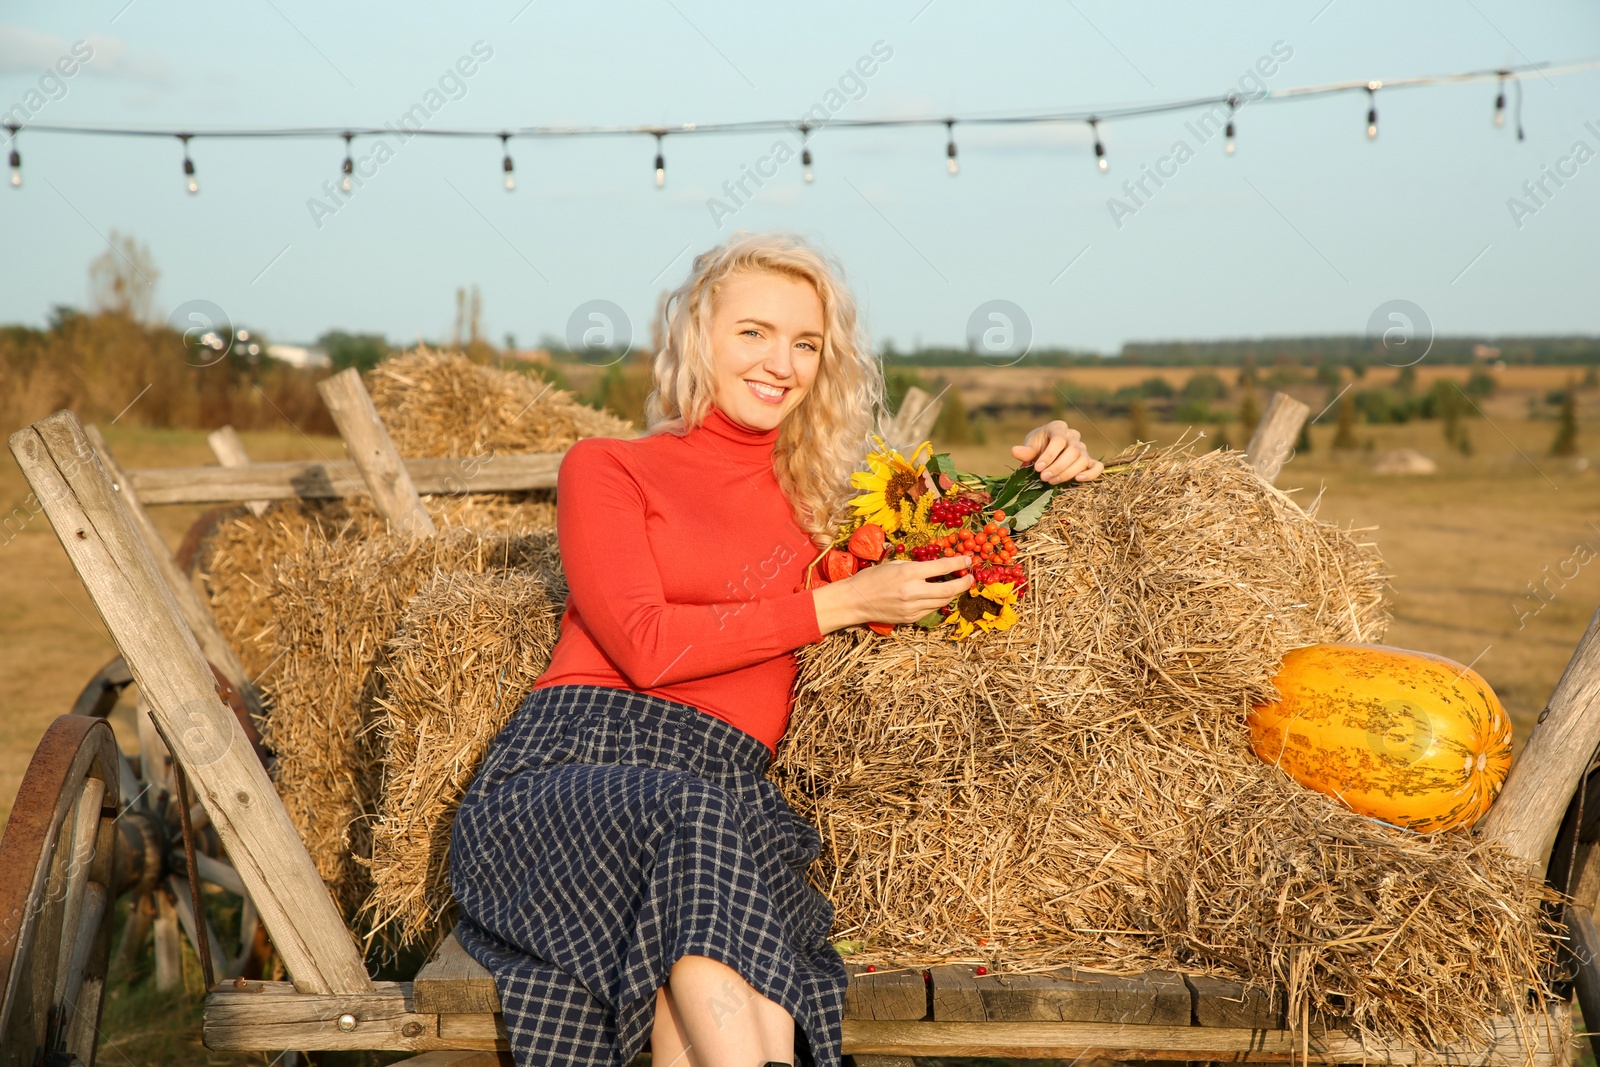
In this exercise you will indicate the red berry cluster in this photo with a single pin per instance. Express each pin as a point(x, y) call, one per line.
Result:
point(1012, 573)
point(953, 510)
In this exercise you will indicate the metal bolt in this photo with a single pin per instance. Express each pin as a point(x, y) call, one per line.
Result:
point(347, 1022)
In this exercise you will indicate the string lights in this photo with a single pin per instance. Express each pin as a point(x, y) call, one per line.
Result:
point(348, 168)
point(1231, 100)
point(189, 180)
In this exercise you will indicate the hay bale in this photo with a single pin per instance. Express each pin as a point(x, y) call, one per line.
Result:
point(1079, 790)
point(434, 404)
point(443, 404)
point(467, 651)
point(336, 602)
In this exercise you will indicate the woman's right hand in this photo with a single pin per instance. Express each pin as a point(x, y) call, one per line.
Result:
point(894, 592)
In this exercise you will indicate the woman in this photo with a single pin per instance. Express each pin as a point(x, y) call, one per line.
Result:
point(622, 863)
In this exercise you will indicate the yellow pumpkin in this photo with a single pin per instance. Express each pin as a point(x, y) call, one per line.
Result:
point(1412, 739)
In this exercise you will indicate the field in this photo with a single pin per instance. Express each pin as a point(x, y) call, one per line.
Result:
point(1488, 556)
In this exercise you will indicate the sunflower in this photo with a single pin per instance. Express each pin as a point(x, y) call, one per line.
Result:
point(890, 479)
point(990, 608)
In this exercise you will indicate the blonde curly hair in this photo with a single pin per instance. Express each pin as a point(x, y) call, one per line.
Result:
point(825, 437)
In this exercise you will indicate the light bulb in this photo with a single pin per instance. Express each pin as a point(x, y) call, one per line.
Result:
point(511, 179)
point(16, 169)
point(1099, 148)
point(505, 150)
point(805, 160)
point(188, 170)
point(1372, 112)
point(661, 171)
point(1228, 147)
point(950, 149)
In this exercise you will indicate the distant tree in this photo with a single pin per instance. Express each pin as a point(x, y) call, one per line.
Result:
point(363, 351)
point(1220, 438)
point(1406, 380)
point(1138, 422)
point(122, 279)
point(1480, 385)
point(1249, 413)
point(1591, 377)
point(1204, 387)
point(1448, 405)
point(1302, 444)
point(1344, 437)
point(952, 427)
point(1247, 373)
point(1566, 442)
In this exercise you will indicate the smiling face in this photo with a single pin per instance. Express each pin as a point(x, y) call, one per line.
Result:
point(766, 345)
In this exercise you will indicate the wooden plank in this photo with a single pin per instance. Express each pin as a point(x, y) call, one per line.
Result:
point(229, 450)
point(473, 1031)
point(1528, 812)
point(266, 1015)
point(143, 618)
point(453, 983)
point(312, 480)
point(271, 1015)
point(196, 612)
point(1272, 443)
point(1218, 1002)
point(1072, 1040)
point(1065, 995)
point(374, 453)
point(894, 994)
point(457, 1059)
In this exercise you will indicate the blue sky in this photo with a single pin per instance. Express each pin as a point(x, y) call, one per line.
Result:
point(1306, 229)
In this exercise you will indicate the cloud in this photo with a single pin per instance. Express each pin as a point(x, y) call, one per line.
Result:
point(29, 52)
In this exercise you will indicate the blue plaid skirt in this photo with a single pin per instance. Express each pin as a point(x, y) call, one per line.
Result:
point(609, 833)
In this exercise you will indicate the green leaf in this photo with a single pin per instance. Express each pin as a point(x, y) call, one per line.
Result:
point(1021, 480)
point(931, 619)
point(1032, 512)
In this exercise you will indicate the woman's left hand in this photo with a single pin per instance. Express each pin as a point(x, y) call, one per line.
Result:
point(1056, 451)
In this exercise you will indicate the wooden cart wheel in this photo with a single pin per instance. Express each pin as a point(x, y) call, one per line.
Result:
point(57, 884)
point(151, 847)
point(1574, 869)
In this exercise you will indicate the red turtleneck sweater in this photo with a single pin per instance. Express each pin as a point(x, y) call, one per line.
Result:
point(682, 559)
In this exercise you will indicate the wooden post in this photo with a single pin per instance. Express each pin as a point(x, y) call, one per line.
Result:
point(911, 425)
point(143, 617)
point(1273, 440)
point(374, 454)
point(229, 450)
point(1527, 814)
point(196, 612)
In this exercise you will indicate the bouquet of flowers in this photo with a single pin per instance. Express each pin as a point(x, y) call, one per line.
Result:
point(923, 508)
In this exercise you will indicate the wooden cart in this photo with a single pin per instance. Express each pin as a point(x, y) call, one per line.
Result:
point(90, 824)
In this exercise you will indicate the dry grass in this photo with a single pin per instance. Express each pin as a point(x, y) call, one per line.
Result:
point(1080, 789)
point(467, 651)
point(441, 404)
